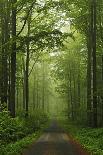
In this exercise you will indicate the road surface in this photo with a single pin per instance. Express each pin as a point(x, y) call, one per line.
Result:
point(54, 141)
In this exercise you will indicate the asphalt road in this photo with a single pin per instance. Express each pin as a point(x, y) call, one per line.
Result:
point(54, 141)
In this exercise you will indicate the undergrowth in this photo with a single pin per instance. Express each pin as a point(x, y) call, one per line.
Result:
point(18, 147)
point(17, 133)
point(91, 139)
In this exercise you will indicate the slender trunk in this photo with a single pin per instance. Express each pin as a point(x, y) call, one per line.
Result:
point(94, 67)
point(9, 59)
point(43, 87)
point(71, 96)
point(34, 95)
point(3, 53)
point(0, 57)
point(89, 106)
point(24, 91)
point(90, 66)
point(9, 84)
point(27, 80)
point(74, 98)
point(102, 97)
point(17, 97)
point(13, 60)
point(27, 71)
point(24, 83)
point(5, 38)
point(79, 88)
point(37, 103)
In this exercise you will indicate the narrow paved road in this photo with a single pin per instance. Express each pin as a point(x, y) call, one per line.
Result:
point(54, 141)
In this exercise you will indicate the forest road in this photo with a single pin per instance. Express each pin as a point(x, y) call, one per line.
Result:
point(54, 141)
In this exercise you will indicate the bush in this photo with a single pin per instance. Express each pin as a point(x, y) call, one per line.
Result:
point(14, 129)
point(91, 139)
point(18, 147)
point(36, 120)
point(11, 129)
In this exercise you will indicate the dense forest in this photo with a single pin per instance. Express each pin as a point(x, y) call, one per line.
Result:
point(51, 65)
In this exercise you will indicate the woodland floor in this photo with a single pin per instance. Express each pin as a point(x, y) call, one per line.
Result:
point(55, 141)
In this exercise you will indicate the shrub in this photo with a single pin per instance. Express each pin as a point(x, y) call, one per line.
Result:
point(14, 129)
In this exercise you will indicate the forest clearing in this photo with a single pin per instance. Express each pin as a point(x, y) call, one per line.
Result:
point(51, 70)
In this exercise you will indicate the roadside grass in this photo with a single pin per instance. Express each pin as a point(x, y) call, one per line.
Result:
point(18, 133)
point(91, 139)
point(19, 146)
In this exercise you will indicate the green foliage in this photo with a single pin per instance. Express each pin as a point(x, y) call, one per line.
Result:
point(91, 139)
point(14, 129)
point(47, 20)
point(36, 120)
point(70, 73)
point(17, 147)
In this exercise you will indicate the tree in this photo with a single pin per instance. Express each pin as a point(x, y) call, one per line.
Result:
point(13, 60)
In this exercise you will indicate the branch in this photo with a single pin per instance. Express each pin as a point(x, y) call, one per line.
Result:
point(26, 19)
point(20, 9)
point(34, 65)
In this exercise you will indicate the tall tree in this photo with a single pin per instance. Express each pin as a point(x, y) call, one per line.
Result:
point(27, 68)
point(13, 60)
point(5, 51)
point(94, 64)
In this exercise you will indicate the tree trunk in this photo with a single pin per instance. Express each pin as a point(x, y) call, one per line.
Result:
point(13, 61)
point(24, 83)
point(94, 67)
point(102, 97)
point(79, 87)
point(17, 97)
point(71, 96)
point(34, 93)
point(9, 84)
point(27, 71)
point(5, 38)
point(43, 87)
point(89, 106)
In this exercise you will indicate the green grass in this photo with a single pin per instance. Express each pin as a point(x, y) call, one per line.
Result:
point(91, 139)
point(17, 133)
point(18, 147)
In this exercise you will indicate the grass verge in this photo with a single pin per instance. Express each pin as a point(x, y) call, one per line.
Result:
point(20, 145)
point(90, 139)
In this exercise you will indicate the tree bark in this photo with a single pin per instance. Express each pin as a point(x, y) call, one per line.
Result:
point(43, 87)
point(5, 38)
point(27, 71)
point(89, 106)
point(13, 60)
point(24, 83)
point(94, 67)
